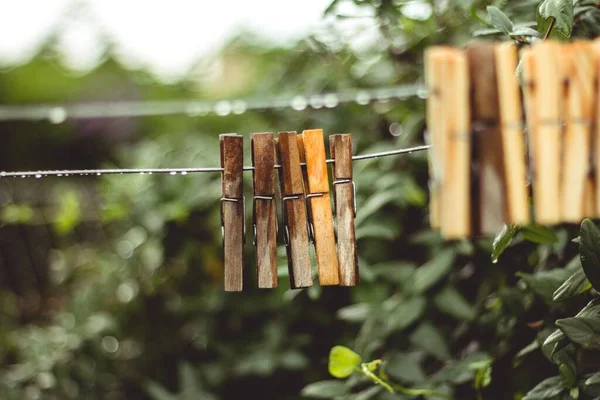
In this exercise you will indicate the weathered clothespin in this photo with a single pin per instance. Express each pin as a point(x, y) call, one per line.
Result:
point(295, 223)
point(344, 198)
point(489, 183)
point(264, 210)
point(319, 205)
point(513, 138)
point(546, 84)
point(455, 139)
point(578, 61)
point(232, 209)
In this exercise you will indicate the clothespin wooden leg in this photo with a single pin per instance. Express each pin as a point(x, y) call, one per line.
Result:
point(264, 210)
point(232, 209)
point(456, 146)
point(547, 84)
point(579, 59)
point(513, 139)
point(433, 80)
point(344, 196)
point(490, 206)
point(320, 207)
point(293, 206)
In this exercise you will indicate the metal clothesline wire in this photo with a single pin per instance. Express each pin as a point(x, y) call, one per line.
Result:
point(58, 113)
point(182, 171)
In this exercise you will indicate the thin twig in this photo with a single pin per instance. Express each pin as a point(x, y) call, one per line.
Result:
point(550, 27)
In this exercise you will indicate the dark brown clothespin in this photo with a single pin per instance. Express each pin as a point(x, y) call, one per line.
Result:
point(264, 210)
point(293, 205)
point(319, 205)
point(489, 195)
point(232, 209)
point(344, 198)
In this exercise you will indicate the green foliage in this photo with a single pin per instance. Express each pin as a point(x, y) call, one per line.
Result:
point(556, 15)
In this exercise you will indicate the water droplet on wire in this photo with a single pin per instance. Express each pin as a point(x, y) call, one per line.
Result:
point(363, 97)
point(173, 173)
point(223, 108)
point(316, 102)
point(57, 115)
point(38, 176)
point(239, 107)
point(299, 103)
point(422, 93)
point(331, 100)
point(184, 173)
point(195, 109)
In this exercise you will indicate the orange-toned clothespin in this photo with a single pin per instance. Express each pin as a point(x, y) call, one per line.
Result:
point(433, 81)
point(319, 203)
point(344, 196)
point(579, 71)
point(542, 73)
point(489, 199)
point(293, 205)
point(513, 138)
point(232, 209)
point(455, 139)
point(264, 210)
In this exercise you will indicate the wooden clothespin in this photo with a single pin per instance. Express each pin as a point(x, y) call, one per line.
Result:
point(578, 60)
point(513, 138)
point(319, 206)
point(433, 79)
point(295, 223)
point(232, 209)
point(546, 88)
point(344, 196)
point(264, 210)
point(455, 139)
point(489, 200)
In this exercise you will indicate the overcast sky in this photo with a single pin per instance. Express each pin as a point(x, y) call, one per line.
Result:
point(165, 35)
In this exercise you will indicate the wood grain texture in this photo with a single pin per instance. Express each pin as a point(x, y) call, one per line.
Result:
point(433, 77)
point(341, 151)
point(232, 157)
point(321, 214)
point(548, 141)
point(290, 178)
point(456, 145)
point(265, 217)
point(513, 138)
point(490, 205)
point(580, 70)
point(529, 100)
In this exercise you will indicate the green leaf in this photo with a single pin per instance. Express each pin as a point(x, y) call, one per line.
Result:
point(405, 313)
point(561, 11)
point(325, 389)
point(69, 213)
point(581, 330)
point(539, 234)
point(403, 367)
point(355, 312)
point(343, 362)
point(432, 271)
point(429, 338)
point(524, 31)
point(502, 240)
point(545, 283)
point(553, 343)
point(593, 380)
point(547, 389)
point(576, 284)
point(450, 301)
point(589, 249)
point(499, 19)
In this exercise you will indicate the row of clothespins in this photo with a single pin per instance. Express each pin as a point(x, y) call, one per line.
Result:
point(306, 209)
point(486, 169)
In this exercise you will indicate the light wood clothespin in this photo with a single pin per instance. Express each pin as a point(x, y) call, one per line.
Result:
point(344, 196)
point(543, 74)
point(455, 139)
point(264, 209)
point(513, 138)
point(578, 60)
point(295, 223)
point(489, 194)
point(433, 79)
point(232, 209)
point(319, 205)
